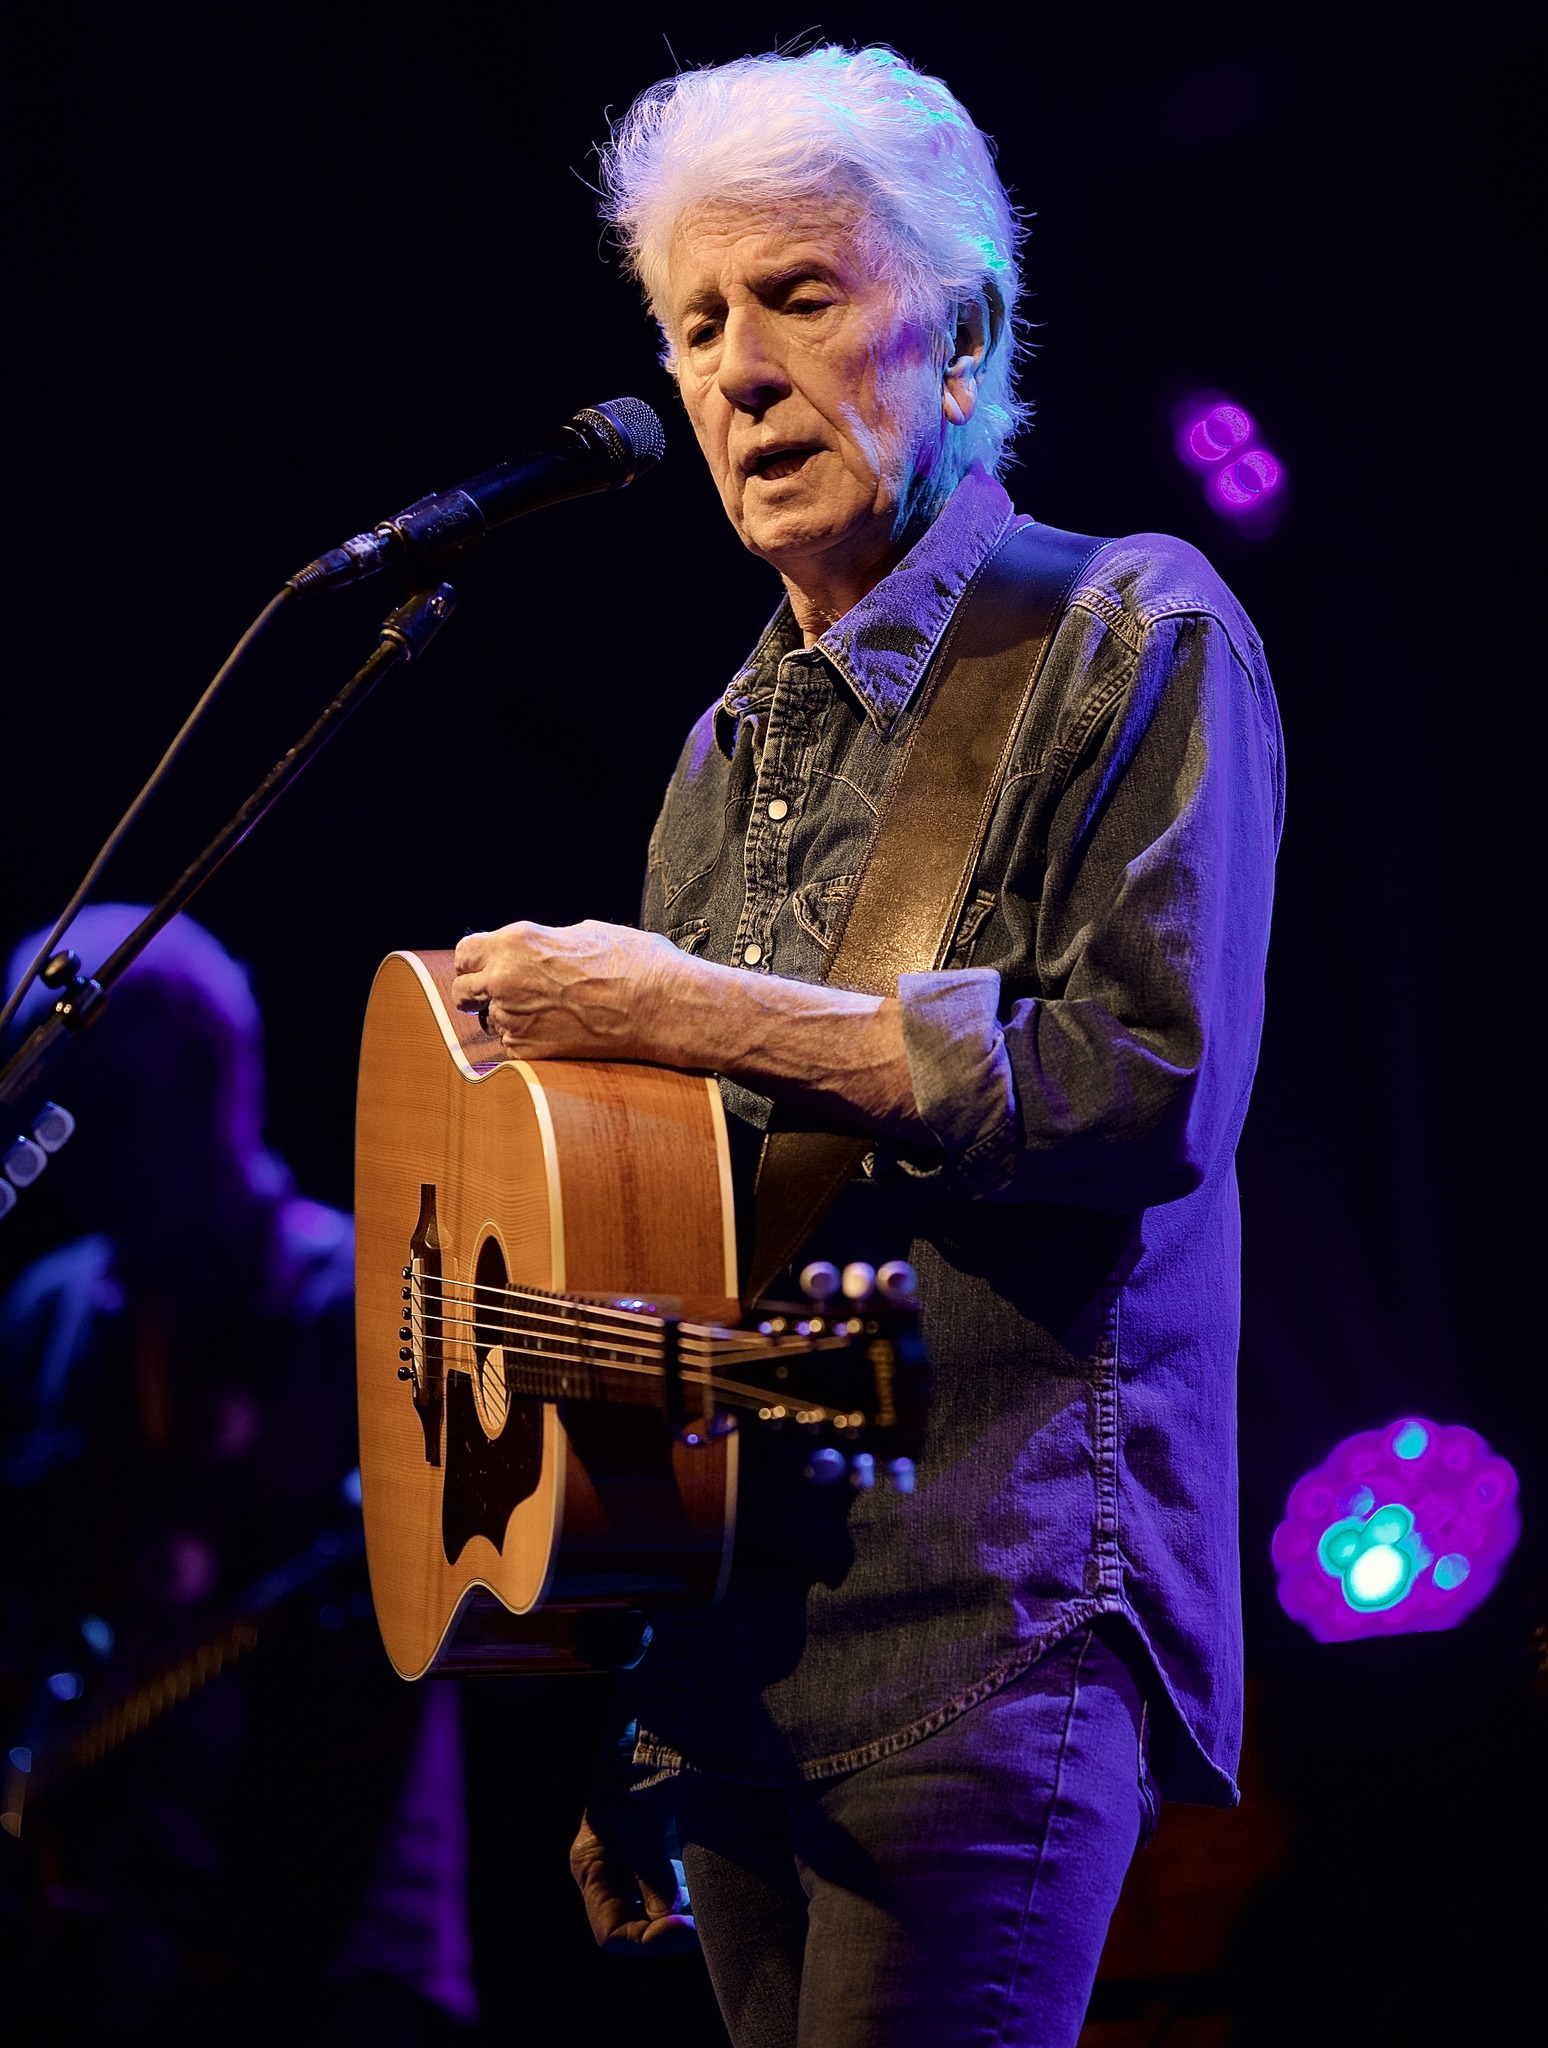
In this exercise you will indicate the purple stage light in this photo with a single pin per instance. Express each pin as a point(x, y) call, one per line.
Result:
point(1247, 481)
point(1216, 433)
point(1399, 1530)
point(1215, 436)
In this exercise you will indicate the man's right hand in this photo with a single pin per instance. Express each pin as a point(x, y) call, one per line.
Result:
point(628, 1884)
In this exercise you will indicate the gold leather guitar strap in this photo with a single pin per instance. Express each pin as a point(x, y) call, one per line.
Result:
point(903, 910)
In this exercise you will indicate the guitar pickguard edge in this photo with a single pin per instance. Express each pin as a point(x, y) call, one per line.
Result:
point(486, 1481)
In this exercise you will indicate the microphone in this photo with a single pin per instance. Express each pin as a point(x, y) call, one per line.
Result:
point(602, 448)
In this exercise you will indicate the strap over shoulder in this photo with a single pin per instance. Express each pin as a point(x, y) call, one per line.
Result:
point(907, 897)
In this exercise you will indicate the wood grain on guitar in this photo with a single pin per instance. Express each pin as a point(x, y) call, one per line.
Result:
point(552, 1380)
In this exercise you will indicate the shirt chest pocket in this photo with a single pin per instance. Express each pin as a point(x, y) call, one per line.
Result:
point(976, 913)
point(697, 863)
point(691, 936)
point(820, 906)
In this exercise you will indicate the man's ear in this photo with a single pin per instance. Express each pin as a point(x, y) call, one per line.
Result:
point(968, 350)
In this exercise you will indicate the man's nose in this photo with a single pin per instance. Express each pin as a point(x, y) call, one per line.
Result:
point(752, 373)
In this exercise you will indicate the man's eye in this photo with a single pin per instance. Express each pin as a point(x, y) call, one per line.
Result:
point(700, 335)
point(807, 305)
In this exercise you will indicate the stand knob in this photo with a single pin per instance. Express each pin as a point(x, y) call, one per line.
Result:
point(61, 970)
point(76, 996)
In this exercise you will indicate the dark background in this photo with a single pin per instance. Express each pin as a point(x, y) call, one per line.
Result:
point(276, 270)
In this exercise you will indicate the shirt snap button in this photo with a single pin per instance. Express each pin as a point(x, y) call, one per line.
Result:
point(779, 809)
point(751, 955)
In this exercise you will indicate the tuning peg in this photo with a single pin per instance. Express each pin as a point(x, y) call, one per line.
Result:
point(825, 1466)
point(901, 1473)
point(862, 1471)
point(54, 1128)
point(859, 1281)
point(820, 1280)
point(22, 1162)
point(897, 1282)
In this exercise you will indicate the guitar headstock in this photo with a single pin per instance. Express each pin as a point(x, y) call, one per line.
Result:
point(843, 1369)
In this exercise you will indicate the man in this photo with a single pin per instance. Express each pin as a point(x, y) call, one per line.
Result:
point(176, 1419)
point(915, 1748)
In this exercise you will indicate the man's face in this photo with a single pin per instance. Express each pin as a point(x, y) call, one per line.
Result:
point(816, 398)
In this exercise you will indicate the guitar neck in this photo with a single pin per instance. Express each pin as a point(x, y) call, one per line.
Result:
point(552, 1347)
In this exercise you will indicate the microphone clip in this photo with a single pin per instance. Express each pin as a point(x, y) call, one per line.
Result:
point(603, 448)
point(432, 530)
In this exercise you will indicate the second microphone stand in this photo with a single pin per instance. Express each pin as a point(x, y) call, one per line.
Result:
point(405, 635)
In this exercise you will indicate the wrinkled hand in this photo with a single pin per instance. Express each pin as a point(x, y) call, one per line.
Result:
point(589, 991)
point(628, 1885)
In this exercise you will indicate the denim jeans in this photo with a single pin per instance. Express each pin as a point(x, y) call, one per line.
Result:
point(953, 1895)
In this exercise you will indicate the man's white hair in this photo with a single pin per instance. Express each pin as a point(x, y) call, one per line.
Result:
point(768, 132)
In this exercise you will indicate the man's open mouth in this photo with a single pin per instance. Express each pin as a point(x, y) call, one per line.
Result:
point(780, 462)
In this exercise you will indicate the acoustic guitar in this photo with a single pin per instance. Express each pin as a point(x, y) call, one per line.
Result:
point(553, 1369)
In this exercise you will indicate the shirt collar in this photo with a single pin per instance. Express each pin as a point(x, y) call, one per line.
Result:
point(883, 645)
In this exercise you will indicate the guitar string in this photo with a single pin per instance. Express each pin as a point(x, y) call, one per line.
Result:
point(501, 1289)
point(750, 1344)
point(566, 1326)
point(518, 1322)
point(702, 1376)
point(623, 1319)
point(796, 1407)
point(587, 1355)
point(541, 1311)
point(606, 1308)
point(622, 1328)
point(584, 1355)
point(481, 1329)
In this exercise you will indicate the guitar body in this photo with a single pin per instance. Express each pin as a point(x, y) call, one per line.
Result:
point(480, 1173)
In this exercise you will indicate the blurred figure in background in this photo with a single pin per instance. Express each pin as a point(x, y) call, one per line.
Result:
point(177, 1430)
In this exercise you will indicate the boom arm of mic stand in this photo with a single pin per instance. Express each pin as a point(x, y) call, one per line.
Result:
point(405, 635)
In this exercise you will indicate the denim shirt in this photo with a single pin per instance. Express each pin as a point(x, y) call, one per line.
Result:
point(1083, 1064)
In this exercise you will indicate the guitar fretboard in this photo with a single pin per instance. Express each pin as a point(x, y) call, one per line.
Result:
point(553, 1347)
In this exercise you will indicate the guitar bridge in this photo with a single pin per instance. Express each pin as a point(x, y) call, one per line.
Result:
point(420, 1333)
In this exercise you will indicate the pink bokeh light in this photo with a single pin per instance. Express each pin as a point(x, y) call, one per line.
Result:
point(1247, 481)
point(1220, 441)
point(1216, 433)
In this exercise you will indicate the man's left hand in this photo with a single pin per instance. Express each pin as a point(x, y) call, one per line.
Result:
point(588, 991)
point(633, 1902)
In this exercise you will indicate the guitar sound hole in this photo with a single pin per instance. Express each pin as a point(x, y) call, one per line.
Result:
point(491, 1390)
point(494, 1445)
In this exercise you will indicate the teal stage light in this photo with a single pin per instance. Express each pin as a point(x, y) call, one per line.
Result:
point(1401, 1529)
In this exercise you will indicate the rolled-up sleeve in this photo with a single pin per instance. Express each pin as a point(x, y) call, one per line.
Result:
point(1110, 1067)
point(961, 1072)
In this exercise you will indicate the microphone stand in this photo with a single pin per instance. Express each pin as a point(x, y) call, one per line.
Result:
point(405, 635)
